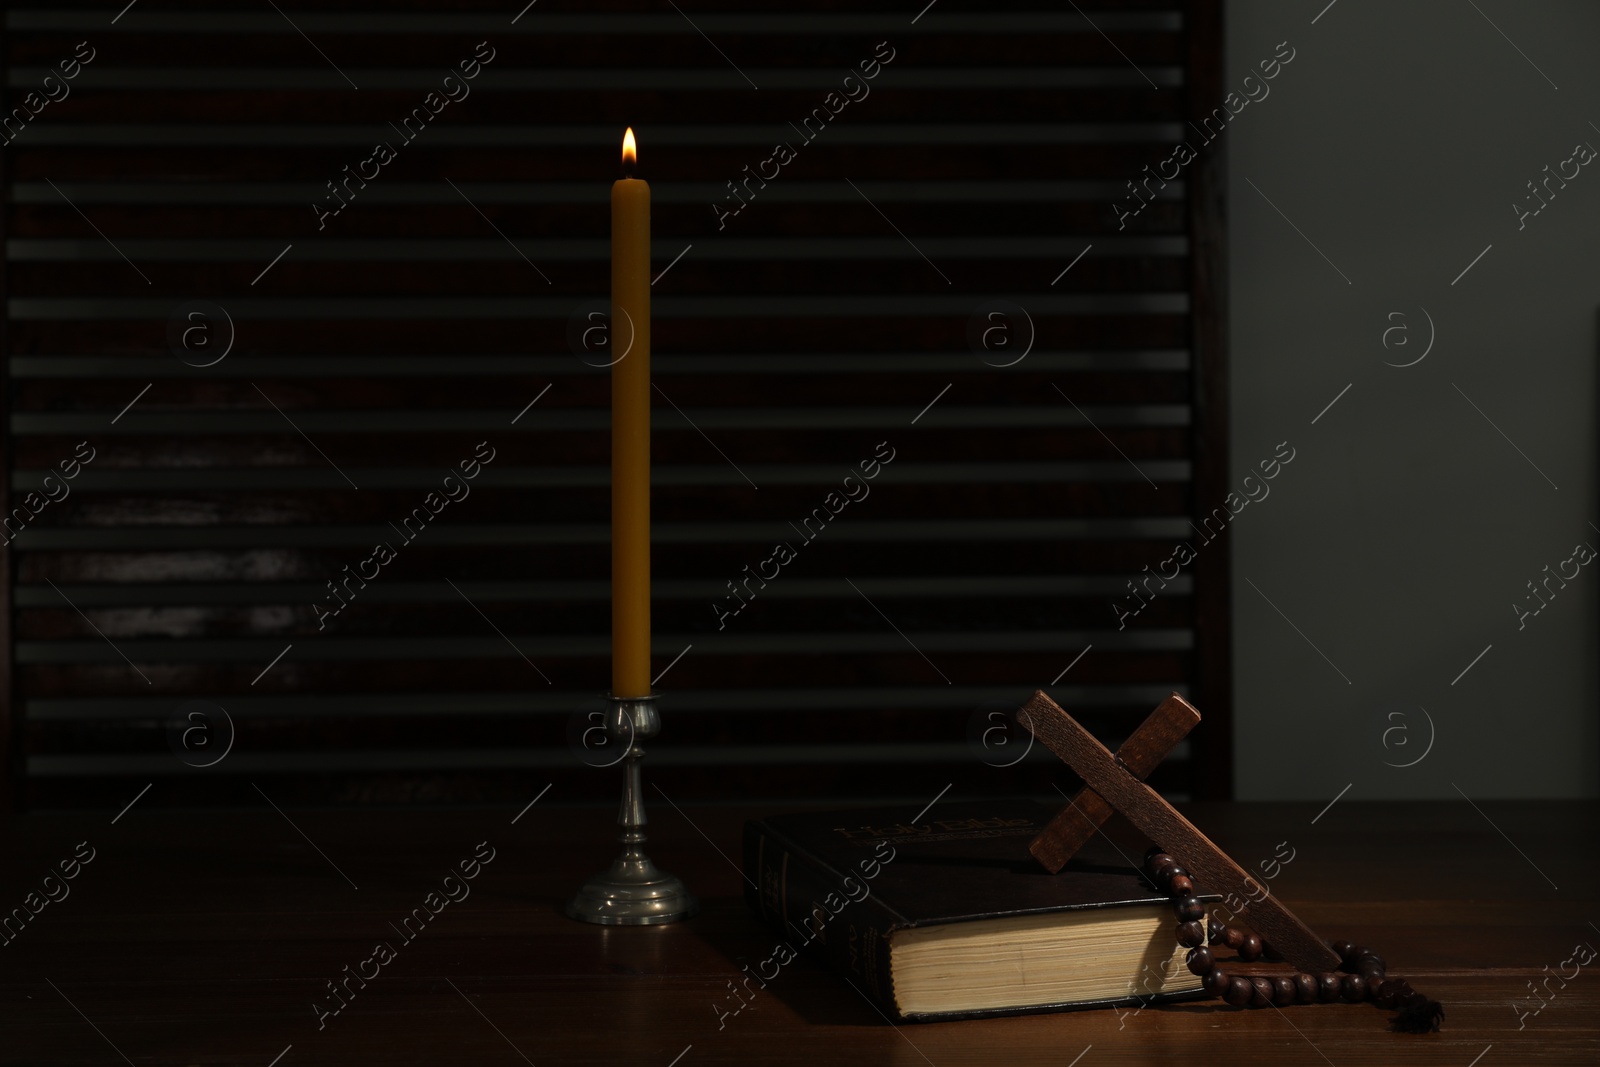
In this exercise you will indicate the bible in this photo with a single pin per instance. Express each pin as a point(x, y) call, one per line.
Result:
point(948, 916)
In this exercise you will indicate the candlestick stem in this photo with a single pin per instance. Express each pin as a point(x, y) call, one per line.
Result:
point(633, 891)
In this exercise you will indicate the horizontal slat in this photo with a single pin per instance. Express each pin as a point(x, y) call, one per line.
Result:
point(883, 661)
point(268, 514)
point(399, 591)
point(689, 307)
point(1013, 441)
point(869, 418)
point(852, 785)
point(593, 139)
point(834, 553)
point(867, 637)
point(180, 387)
point(706, 606)
point(537, 223)
point(65, 746)
point(257, 252)
point(985, 191)
point(458, 758)
point(430, 26)
point(1123, 281)
point(890, 101)
point(528, 535)
point(533, 367)
point(675, 43)
point(421, 160)
point(390, 620)
point(652, 76)
point(894, 8)
point(545, 704)
point(223, 483)
point(292, 336)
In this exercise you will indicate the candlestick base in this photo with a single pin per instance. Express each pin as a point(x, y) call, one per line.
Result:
point(634, 891)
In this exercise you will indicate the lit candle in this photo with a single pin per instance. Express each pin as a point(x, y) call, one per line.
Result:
point(630, 429)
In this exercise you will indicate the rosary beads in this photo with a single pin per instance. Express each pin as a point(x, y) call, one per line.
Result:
point(1361, 976)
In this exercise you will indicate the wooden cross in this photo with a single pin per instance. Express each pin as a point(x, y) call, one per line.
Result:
point(1115, 784)
point(1083, 816)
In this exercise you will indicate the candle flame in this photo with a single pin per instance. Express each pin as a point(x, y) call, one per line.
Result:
point(630, 152)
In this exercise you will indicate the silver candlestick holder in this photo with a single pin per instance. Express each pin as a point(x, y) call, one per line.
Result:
point(634, 891)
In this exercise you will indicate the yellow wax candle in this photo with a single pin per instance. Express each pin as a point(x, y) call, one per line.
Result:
point(630, 430)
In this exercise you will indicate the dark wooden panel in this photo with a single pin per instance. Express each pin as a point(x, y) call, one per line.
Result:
point(201, 486)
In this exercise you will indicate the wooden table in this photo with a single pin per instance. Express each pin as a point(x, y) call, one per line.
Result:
point(206, 937)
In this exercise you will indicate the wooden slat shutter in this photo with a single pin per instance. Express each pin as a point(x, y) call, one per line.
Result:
point(373, 349)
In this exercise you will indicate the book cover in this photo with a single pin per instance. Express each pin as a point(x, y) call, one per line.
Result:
point(845, 883)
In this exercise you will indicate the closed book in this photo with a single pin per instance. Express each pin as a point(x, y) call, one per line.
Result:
point(949, 916)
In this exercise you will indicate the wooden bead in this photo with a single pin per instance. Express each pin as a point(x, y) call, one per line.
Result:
point(1344, 948)
point(1216, 983)
point(1305, 988)
point(1250, 948)
point(1233, 937)
point(1200, 961)
point(1181, 885)
point(1151, 853)
point(1372, 973)
point(1189, 909)
point(1214, 928)
point(1261, 997)
point(1353, 988)
point(1328, 986)
point(1191, 934)
point(1283, 990)
point(1372, 959)
point(1239, 992)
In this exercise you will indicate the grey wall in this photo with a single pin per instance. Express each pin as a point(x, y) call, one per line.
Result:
point(1407, 526)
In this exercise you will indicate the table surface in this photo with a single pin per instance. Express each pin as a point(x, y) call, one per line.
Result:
point(207, 937)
